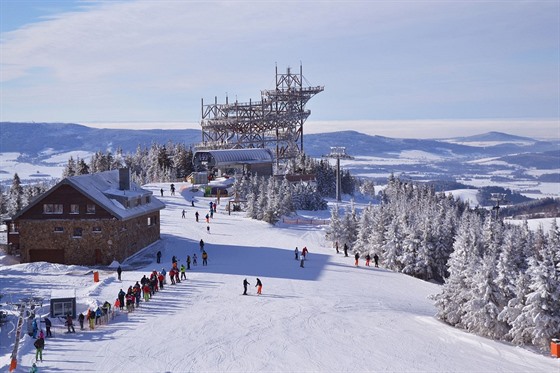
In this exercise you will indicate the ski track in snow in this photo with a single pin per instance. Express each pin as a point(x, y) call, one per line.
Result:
point(327, 317)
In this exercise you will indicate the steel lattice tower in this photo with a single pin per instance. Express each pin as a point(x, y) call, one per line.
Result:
point(275, 122)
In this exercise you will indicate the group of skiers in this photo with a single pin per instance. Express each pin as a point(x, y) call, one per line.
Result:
point(258, 286)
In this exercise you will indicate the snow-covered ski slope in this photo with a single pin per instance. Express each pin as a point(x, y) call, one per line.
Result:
point(327, 317)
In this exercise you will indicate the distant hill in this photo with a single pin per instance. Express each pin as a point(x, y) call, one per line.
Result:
point(35, 138)
point(495, 137)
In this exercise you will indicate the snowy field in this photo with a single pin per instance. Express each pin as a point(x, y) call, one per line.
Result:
point(327, 317)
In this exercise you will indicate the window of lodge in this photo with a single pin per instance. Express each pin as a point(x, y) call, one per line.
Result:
point(52, 208)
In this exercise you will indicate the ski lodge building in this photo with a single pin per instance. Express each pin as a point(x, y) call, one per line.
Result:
point(87, 220)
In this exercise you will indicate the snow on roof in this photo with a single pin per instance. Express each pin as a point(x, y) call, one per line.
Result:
point(63, 293)
point(103, 189)
point(101, 186)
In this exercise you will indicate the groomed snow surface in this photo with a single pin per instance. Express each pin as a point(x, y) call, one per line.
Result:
point(327, 317)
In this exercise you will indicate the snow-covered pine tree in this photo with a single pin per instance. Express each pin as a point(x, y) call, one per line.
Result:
point(486, 301)
point(262, 199)
point(334, 230)
point(541, 314)
point(365, 227)
point(456, 290)
point(81, 167)
point(70, 169)
point(15, 196)
point(511, 314)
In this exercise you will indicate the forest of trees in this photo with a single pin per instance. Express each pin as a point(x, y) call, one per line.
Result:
point(269, 199)
point(499, 280)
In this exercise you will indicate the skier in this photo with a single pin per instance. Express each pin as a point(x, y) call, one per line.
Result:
point(336, 245)
point(245, 283)
point(304, 253)
point(121, 299)
point(196, 216)
point(188, 262)
point(164, 273)
point(161, 191)
point(301, 262)
point(81, 320)
point(204, 258)
point(357, 256)
point(345, 250)
point(368, 258)
point(207, 218)
point(39, 345)
point(296, 252)
point(35, 328)
point(69, 323)
point(172, 188)
point(161, 279)
point(194, 259)
point(91, 319)
point(119, 271)
point(259, 286)
point(158, 256)
point(183, 272)
point(376, 260)
point(48, 325)
point(183, 214)
point(192, 202)
point(201, 243)
point(208, 228)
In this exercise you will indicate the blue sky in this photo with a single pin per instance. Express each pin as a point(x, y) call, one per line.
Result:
point(153, 61)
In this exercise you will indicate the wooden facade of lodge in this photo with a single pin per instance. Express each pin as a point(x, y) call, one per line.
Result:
point(87, 220)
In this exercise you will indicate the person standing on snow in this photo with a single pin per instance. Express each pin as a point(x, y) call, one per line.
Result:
point(368, 258)
point(357, 257)
point(69, 323)
point(119, 271)
point(245, 283)
point(39, 345)
point(81, 319)
point(158, 256)
point(304, 252)
point(48, 325)
point(345, 250)
point(296, 252)
point(376, 260)
point(259, 286)
point(201, 243)
point(204, 258)
point(183, 214)
point(183, 272)
point(301, 262)
point(194, 263)
point(336, 245)
point(196, 216)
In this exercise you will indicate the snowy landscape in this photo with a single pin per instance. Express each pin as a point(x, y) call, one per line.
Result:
point(327, 316)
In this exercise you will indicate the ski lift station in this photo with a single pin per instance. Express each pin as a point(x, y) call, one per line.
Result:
point(234, 161)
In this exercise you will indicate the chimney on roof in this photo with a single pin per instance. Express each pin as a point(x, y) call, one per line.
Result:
point(124, 179)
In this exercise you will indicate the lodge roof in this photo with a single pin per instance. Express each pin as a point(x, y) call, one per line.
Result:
point(103, 189)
